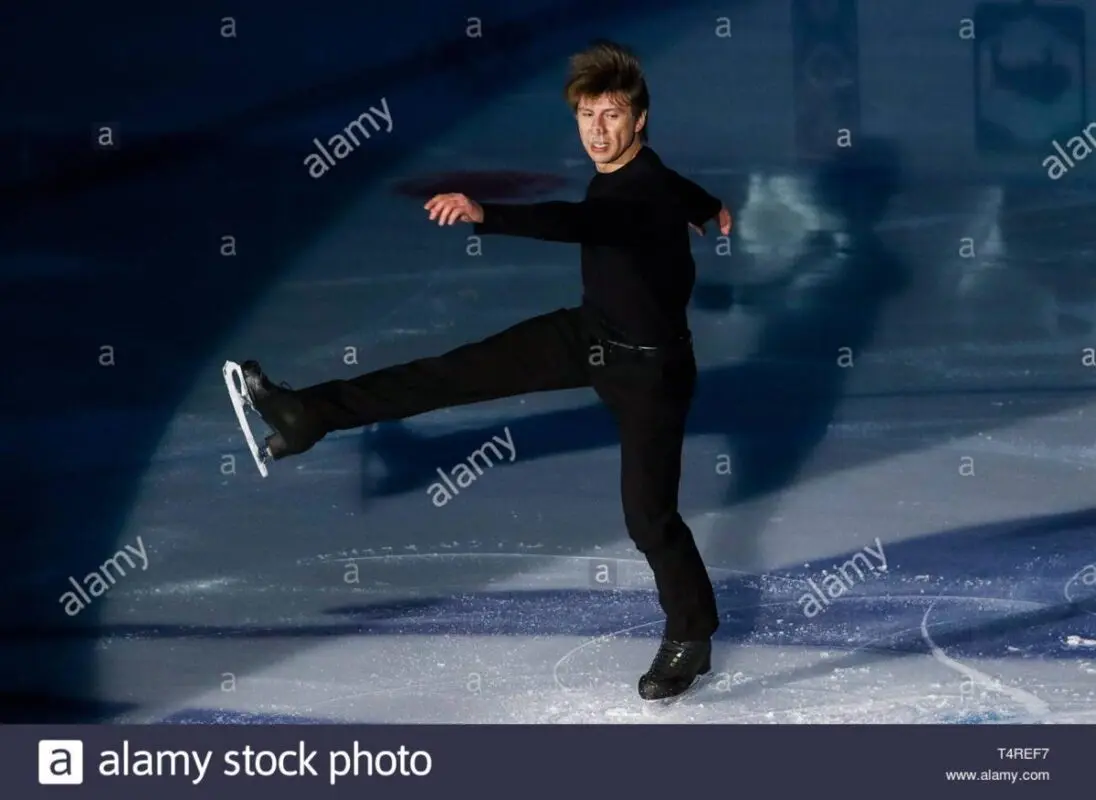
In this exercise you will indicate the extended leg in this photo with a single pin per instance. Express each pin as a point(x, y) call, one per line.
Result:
point(541, 354)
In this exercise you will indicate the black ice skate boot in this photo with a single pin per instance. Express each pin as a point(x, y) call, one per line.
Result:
point(294, 430)
point(675, 667)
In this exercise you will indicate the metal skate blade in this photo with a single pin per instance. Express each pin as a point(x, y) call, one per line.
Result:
point(665, 704)
point(238, 394)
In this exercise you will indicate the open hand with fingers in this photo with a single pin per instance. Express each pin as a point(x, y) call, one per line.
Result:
point(449, 209)
point(725, 223)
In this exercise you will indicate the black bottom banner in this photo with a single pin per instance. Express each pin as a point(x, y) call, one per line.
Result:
point(531, 762)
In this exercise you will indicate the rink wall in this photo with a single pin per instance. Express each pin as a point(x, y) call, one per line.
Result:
point(210, 69)
point(910, 71)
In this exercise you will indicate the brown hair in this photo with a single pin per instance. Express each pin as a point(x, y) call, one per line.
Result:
point(608, 68)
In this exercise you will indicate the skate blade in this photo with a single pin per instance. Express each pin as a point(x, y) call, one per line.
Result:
point(237, 393)
point(665, 704)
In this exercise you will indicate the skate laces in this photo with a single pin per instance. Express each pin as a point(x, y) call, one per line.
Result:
point(669, 656)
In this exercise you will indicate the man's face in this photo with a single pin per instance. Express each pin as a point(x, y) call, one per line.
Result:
point(609, 131)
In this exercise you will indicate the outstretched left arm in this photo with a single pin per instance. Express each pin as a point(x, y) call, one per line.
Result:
point(700, 207)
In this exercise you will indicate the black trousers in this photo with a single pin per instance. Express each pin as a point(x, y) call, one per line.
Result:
point(647, 392)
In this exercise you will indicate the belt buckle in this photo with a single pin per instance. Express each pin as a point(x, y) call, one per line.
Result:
point(637, 348)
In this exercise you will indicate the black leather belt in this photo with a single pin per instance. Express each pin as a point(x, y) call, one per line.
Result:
point(610, 336)
point(652, 349)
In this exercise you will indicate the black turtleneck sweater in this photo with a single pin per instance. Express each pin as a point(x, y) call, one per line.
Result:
point(637, 268)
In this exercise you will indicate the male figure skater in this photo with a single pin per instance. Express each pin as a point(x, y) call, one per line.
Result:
point(629, 340)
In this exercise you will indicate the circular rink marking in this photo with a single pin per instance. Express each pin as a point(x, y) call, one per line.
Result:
point(545, 646)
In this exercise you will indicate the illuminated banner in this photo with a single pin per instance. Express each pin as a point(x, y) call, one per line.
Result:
point(826, 74)
point(1029, 75)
